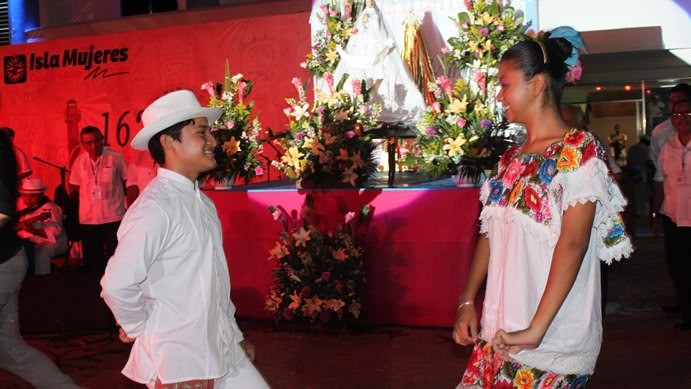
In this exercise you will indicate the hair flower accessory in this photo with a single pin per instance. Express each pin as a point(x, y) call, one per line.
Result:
point(574, 73)
point(573, 37)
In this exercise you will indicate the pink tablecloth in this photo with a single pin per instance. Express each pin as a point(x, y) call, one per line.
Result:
point(418, 248)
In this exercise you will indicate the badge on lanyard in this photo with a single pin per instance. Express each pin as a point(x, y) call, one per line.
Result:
point(96, 192)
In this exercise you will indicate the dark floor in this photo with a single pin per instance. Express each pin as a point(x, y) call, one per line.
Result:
point(641, 348)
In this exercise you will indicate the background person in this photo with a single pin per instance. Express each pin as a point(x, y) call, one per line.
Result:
point(617, 145)
point(550, 215)
point(665, 130)
point(41, 224)
point(16, 356)
point(661, 134)
point(640, 164)
point(672, 206)
point(168, 283)
point(98, 176)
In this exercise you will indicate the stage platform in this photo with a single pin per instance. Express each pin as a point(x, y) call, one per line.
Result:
point(418, 245)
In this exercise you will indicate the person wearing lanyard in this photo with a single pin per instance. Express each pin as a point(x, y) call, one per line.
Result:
point(98, 176)
point(672, 206)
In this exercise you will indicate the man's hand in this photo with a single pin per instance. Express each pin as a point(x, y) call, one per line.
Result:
point(248, 348)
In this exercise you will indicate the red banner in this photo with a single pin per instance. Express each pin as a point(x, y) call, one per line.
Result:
point(53, 89)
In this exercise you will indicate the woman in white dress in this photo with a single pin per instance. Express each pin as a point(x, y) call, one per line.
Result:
point(551, 213)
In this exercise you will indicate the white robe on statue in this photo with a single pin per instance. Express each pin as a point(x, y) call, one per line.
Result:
point(371, 55)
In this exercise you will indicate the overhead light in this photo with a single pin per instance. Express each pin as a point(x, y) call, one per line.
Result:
point(599, 88)
point(627, 87)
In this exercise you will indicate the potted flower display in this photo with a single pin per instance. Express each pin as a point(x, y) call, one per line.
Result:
point(319, 277)
point(327, 143)
point(236, 131)
point(463, 132)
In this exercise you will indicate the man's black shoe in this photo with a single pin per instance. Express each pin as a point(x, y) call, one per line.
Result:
point(683, 325)
point(671, 308)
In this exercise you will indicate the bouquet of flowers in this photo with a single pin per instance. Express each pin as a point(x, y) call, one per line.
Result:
point(236, 131)
point(318, 276)
point(451, 128)
point(337, 29)
point(485, 32)
point(463, 128)
point(327, 143)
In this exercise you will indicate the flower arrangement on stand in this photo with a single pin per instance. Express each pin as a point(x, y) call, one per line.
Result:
point(338, 26)
point(236, 131)
point(318, 277)
point(327, 145)
point(450, 130)
point(463, 132)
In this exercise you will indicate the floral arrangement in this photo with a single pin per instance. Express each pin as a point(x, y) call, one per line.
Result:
point(450, 131)
point(463, 128)
point(327, 143)
point(485, 31)
point(337, 28)
point(318, 276)
point(236, 131)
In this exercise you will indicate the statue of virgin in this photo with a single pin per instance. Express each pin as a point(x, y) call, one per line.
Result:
point(371, 55)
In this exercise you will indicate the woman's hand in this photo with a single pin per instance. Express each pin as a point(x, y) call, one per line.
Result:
point(123, 336)
point(465, 329)
point(248, 348)
point(505, 343)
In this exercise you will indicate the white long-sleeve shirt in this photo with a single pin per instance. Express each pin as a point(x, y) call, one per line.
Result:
point(168, 286)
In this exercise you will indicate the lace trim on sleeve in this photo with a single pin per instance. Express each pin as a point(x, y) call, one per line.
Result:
point(614, 243)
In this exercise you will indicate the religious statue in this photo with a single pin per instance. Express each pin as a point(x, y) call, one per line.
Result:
point(371, 55)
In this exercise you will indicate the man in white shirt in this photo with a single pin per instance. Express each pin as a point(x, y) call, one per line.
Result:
point(672, 206)
point(665, 130)
point(99, 177)
point(661, 133)
point(168, 283)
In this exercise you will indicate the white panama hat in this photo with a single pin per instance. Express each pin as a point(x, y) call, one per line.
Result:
point(168, 110)
point(32, 186)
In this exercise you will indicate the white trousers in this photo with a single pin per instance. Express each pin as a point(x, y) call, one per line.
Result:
point(248, 377)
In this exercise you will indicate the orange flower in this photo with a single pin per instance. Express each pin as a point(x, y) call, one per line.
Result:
point(524, 379)
point(569, 159)
point(513, 198)
point(296, 301)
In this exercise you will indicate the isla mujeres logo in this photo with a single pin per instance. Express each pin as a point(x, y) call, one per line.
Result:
point(96, 62)
point(14, 69)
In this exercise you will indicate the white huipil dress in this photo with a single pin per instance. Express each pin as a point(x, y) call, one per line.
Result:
point(523, 207)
